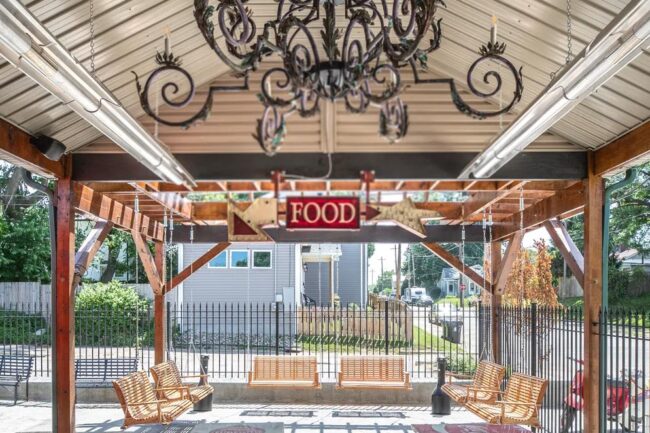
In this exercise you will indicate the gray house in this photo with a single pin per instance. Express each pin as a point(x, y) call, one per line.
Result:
point(449, 283)
point(265, 272)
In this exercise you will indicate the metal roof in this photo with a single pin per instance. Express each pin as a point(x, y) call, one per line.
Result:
point(129, 32)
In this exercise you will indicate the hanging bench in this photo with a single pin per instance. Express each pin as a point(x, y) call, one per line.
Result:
point(169, 384)
point(485, 385)
point(15, 369)
point(373, 372)
point(520, 402)
point(140, 405)
point(284, 372)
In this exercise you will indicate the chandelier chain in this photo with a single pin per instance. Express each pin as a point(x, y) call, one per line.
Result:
point(569, 31)
point(91, 23)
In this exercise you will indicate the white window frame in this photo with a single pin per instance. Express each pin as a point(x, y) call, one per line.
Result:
point(248, 259)
point(252, 259)
point(219, 267)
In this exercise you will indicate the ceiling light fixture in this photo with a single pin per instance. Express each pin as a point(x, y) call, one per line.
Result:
point(359, 62)
point(617, 45)
point(26, 44)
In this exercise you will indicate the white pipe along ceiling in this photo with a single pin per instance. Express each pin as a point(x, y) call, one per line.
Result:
point(32, 49)
point(624, 39)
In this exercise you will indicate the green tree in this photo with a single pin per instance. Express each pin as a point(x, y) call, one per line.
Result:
point(25, 245)
point(422, 268)
point(370, 249)
point(385, 282)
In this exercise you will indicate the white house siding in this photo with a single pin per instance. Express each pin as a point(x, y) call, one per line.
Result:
point(349, 274)
point(231, 285)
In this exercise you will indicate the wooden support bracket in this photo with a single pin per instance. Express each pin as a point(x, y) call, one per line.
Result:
point(514, 246)
point(88, 250)
point(455, 262)
point(196, 265)
point(563, 242)
point(148, 262)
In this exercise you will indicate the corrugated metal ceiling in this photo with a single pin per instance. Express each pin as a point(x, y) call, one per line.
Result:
point(129, 32)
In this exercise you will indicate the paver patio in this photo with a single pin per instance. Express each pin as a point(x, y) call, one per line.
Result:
point(36, 418)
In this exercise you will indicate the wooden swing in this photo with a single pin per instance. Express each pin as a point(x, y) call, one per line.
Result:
point(169, 384)
point(373, 372)
point(485, 386)
point(284, 372)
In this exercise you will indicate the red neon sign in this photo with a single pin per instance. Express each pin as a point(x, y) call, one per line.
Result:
point(323, 213)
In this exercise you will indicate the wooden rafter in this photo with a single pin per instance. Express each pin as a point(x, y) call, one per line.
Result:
point(631, 149)
point(508, 260)
point(88, 249)
point(16, 149)
point(563, 242)
point(196, 265)
point(148, 263)
point(480, 201)
point(125, 217)
point(174, 202)
point(455, 262)
point(561, 203)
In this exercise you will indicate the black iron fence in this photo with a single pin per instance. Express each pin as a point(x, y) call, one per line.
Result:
point(546, 342)
point(231, 334)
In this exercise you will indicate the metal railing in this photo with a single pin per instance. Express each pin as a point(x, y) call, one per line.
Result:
point(547, 342)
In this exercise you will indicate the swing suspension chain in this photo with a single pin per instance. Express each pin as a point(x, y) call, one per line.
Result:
point(521, 227)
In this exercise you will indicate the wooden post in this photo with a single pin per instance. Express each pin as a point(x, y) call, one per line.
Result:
point(159, 310)
point(64, 383)
point(594, 193)
point(495, 266)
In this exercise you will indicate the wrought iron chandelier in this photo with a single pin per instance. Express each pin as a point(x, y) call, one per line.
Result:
point(360, 62)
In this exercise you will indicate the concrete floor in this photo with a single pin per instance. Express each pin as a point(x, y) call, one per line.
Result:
point(91, 418)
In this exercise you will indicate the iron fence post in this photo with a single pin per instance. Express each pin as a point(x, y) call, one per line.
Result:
point(277, 328)
point(533, 339)
point(386, 349)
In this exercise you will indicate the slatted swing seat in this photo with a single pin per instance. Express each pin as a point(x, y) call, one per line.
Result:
point(485, 385)
point(169, 383)
point(140, 405)
point(373, 372)
point(520, 402)
point(284, 372)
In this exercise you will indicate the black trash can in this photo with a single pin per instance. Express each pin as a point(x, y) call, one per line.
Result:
point(204, 405)
point(452, 330)
point(440, 403)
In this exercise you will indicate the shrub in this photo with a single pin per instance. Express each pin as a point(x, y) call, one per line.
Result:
point(112, 314)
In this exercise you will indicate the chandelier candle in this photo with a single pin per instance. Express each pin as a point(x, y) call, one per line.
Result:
point(357, 60)
point(493, 30)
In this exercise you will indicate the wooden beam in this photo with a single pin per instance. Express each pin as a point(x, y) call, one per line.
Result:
point(514, 246)
point(63, 383)
point(480, 201)
point(196, 265)
point(159, 310)
point(563, 242)
point(631, 149)
point(454, 262)
point(593, 279)
point(90, 167)
point(125, 217)
point(175, 203)
point(88, 250)
point(148, 263)
point(562, 202)
point(16, 149)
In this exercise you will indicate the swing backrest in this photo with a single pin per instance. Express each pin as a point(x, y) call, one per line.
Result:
point(284, 368)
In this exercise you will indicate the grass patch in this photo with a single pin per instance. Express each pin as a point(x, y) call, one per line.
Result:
point(468, 301)
point(422, 340)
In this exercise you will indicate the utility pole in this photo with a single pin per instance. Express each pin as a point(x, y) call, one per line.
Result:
point(398, 272)
point(381, 260)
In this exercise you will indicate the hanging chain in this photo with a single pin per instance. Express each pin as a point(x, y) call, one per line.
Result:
point(521, 227)
point(569, 38)
point(92, 38)
point(462, 254)
point(569, 31)
point(485, 248)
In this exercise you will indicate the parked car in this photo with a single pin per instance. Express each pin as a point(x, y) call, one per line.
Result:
point(425, 301)
point(413, 294)
point(442, 312)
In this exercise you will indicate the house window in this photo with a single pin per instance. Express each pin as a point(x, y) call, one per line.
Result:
point(262, 259)
point(450, 287)
point(238, 259)
point(221, 261)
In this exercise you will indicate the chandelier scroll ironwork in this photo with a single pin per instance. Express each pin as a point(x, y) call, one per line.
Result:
point(360, 62)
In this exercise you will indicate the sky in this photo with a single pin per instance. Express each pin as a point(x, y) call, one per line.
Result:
point(387, 252)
